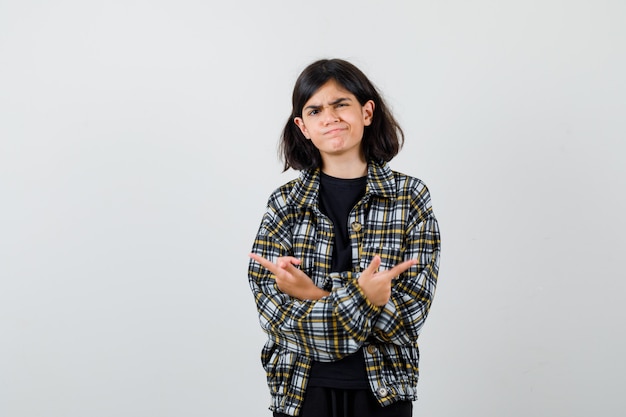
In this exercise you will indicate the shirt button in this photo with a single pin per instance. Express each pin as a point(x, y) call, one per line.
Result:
point(356, 226)
point(371, 349)
point(382, 392)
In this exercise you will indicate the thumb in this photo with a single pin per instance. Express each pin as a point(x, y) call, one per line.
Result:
point(373, 266)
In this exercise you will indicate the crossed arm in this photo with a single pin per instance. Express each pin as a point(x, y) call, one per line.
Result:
point(305, 319)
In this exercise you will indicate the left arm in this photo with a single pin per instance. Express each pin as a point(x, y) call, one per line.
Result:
point(402, 318)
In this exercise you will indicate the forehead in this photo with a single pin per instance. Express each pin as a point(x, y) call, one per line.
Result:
point(329, 92)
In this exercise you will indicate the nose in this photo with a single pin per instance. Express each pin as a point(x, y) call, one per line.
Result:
point(330, 115)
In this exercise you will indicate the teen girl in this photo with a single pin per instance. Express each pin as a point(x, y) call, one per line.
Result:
point(345, 262)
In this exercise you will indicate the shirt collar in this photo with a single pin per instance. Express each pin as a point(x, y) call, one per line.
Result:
point(380, 182)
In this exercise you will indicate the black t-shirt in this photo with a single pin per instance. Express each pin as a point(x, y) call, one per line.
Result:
point(336, 199)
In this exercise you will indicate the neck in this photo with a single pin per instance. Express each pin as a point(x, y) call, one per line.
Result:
point(345, 169)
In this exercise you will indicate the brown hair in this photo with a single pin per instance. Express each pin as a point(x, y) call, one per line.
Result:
point(382, 139)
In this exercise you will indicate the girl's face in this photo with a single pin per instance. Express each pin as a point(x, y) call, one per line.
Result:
point(334, 120)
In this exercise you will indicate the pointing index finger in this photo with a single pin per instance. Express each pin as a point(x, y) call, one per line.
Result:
point(400, 268)
point(264, 262)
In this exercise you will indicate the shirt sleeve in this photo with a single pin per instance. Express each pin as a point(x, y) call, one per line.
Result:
point(402, 318)
point(326, 329)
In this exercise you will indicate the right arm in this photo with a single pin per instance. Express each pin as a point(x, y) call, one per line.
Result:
point(325, 329)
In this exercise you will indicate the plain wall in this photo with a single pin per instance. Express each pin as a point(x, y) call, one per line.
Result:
point(138, 148)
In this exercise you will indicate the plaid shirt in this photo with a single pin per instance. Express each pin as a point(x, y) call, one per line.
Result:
point(394, 220)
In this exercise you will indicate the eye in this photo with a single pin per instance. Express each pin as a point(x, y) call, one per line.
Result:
point(313, 112)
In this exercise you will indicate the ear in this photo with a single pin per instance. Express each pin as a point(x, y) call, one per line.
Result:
point(368, 112)
point(300, 123)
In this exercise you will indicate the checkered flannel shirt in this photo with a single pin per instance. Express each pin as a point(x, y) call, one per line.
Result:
point(394, 220)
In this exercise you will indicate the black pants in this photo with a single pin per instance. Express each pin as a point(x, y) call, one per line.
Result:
point(334, 402)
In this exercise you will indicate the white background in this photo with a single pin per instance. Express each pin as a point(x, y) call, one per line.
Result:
point(138, 148)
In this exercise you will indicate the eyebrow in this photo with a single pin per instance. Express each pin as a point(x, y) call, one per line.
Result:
point(332, 103)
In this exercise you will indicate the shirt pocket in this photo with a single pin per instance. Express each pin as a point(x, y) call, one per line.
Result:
point(279, 367)
point(400, 363)
point(389, 256)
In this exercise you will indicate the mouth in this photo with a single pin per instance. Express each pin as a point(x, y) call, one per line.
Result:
point(333, 131)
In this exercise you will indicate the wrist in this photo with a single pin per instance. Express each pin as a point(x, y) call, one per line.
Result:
point(316, 293)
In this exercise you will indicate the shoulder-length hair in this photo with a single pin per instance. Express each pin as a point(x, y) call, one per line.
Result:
point(382, 139)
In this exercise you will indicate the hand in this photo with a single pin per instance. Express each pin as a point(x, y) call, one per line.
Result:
point(291, 280)
point(377, 285)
